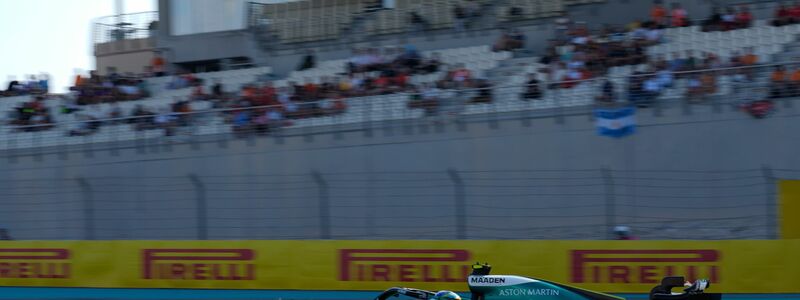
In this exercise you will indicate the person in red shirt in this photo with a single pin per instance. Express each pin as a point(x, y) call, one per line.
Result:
point(794, 13)
point(249, 93)
point(198, 93)
point(310, 90)
point(782, 16)
point(679, 16)
point(381, 84)
point(269, 94)
point(744, 18)
point(401, 80)
point(461, 74)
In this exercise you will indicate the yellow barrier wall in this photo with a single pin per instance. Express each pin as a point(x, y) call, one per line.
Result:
point(611, 266)
point(789, 208)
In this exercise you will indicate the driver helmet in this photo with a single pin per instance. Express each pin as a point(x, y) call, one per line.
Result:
point(446, 295)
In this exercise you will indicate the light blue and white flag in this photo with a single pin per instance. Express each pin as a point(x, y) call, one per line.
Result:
point(615, 122)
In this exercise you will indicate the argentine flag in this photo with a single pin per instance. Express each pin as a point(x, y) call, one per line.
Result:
point(615, 122)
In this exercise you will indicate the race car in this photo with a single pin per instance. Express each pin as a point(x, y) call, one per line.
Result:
point(484, 286)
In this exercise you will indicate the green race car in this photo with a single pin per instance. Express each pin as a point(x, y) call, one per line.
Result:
point(484, 286)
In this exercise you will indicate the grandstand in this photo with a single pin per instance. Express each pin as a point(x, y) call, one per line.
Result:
point(508, 84)
point(234, 148)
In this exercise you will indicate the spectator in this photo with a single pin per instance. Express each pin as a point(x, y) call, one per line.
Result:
point(709, 81)
point(430, 99)
point(690, 61)
point(418, 24)
point(794, 13)
point(729, 19)
point(509, 41)
point(115, 112)
point(15, 88)
point(166, 120)
point(460, 16)
point(750, 58)
point(515, 12)
point(744, 18)
point(433, 64)
point(676, 64)
point(783, 16)
point(680, 18)
point(158, 65)
point(459, 74)
point(714, 22)
point(218, 90)
point(152, 28)
point(86, 125)
point(607, 94)
point(484, 90)
point(793, 88)
point(778, 82)
point(532, 88)
point(198, 91)
point(142, 118)
point(658, 13)
point(651, 89)
point(308, 61)
point(624, 233)
point(4, 236)
point(410, 58)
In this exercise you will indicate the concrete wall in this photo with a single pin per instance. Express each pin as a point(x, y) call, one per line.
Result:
point(703, 173)
point(126, 55)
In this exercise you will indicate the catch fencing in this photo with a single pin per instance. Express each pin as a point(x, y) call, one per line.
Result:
point(445, 204)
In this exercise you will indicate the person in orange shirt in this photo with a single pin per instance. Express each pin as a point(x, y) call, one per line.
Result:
point(749, 59)
point(778, 84)
point(658, 13)
point(794, 83)
point(158, 65)
point(708, 82)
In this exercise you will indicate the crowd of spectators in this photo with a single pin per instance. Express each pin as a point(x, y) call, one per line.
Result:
point(464, 14)
point(576, 54)
point(105, 89)
point(787, 14)
point(784, 83)
point(458, 87)
point(32, 115)
point(510, 40)
point(33, 86)
point(731, 18)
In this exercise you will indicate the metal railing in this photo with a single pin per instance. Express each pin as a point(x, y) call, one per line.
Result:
point(124, 27)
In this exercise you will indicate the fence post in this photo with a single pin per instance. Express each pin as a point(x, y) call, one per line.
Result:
point(460, 204)
point(769, 202)
point(608, 180)
point(88, 208)
point(201, 207)
point(324, 206)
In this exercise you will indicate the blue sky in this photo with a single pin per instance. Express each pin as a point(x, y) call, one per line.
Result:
point(52, 36)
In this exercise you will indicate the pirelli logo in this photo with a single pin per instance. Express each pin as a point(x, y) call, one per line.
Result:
point(35, 263)
point(404, 265)
point(643, 266)
point(198, 264)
